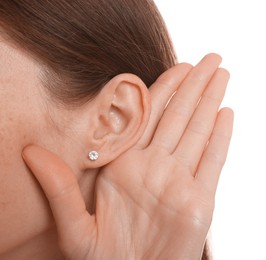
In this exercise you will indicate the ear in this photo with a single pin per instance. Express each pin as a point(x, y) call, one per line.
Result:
point(121, 114)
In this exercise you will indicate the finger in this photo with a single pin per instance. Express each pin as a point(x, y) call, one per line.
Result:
point(161, 91)
point(182, 105)
point(199, 129)
point(62, 191)
point(215, 154)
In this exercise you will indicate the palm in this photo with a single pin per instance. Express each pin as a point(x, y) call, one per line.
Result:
point(127, 198)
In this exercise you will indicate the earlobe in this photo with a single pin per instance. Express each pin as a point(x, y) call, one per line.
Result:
point(123, 108)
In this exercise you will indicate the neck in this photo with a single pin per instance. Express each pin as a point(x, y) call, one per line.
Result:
point(41, 247)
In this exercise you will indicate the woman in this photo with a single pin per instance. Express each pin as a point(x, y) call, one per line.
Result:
point(118, 174)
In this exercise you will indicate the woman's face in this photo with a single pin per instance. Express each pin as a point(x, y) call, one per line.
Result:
point(24, 120)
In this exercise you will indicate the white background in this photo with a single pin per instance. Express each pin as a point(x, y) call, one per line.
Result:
point(237, 31)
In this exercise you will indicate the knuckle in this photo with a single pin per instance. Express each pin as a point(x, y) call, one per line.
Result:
point(197, 76)
point(182, 112)
point(199, 127)
point(183, 159)
point(183, 109)
point(63, 193)
point(214, 158)
point(213, 99)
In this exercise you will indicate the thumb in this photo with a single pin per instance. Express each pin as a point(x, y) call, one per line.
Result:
point(74, 223)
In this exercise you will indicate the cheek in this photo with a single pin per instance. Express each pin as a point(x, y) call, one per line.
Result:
point(24, 211)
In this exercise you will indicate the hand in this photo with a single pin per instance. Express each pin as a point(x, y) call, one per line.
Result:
point(156, 200)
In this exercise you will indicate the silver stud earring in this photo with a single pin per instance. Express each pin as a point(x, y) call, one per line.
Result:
point(93, 155)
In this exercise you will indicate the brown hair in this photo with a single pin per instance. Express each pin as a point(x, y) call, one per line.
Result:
point(82, 44)
point(86, 43)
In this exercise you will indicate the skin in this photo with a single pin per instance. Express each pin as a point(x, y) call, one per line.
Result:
point(151, 192)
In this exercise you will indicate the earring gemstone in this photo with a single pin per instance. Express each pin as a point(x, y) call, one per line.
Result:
point(93, 155)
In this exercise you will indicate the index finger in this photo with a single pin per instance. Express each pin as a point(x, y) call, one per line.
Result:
point(161, 91)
